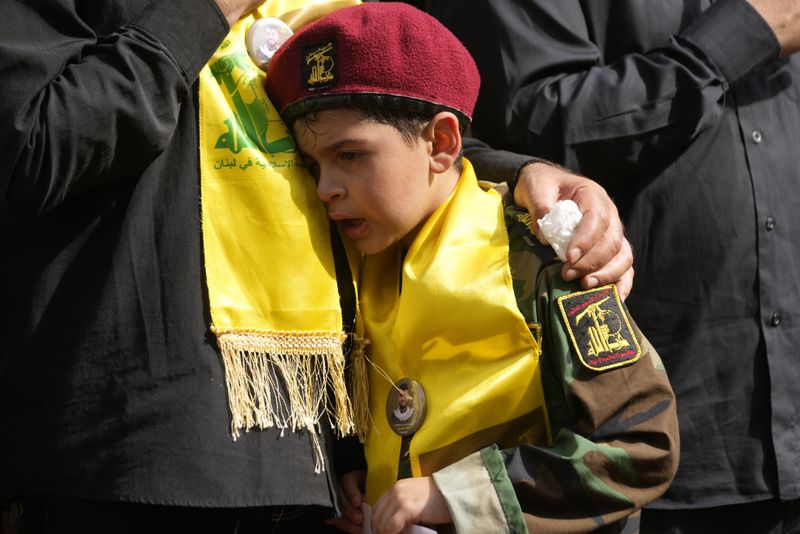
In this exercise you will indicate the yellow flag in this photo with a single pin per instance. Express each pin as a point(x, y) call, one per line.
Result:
point(266, 238)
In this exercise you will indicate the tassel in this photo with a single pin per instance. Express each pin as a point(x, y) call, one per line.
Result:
point(341, 413)
point(359, 387)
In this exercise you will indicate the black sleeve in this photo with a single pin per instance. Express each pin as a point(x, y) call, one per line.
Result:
point(80, 109)
point(495, 165)
point(559, 98)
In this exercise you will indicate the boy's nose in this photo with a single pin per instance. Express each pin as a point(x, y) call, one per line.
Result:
point(329, 190)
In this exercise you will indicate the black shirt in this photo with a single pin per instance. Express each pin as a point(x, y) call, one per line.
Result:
point(111, 386)
point(683, 111)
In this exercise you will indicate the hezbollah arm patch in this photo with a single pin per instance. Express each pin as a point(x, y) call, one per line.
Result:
point(599, 328)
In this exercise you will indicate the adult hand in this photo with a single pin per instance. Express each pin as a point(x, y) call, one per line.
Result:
point(352, 497)
point(783, 16)
point(410, 501)
point(236, 9)
point(598, 253)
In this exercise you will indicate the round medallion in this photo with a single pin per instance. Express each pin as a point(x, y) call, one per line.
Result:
point(264, 37)
point(405, 406)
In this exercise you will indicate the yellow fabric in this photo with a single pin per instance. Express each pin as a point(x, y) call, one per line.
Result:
point(269, 266)
point(455, 328)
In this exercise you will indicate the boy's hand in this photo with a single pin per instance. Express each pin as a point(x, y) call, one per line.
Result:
point(352, 497)
point(236, 9)
point(598, 253)
point(410, 501)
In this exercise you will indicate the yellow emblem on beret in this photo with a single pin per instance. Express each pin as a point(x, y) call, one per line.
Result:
point(319, 68)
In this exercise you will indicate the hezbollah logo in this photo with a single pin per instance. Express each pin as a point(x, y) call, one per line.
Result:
point(599, 328)
point(242, 85)
point(319, 68)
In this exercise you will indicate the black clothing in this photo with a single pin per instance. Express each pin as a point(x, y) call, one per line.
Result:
point(684, 113)
point(52, 514)
point(111, 385)
point(760, 517)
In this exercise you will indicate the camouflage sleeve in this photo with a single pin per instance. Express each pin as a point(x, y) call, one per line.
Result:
point(612, 415)
point(613, 422)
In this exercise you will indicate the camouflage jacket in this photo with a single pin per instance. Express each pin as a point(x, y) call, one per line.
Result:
point(610, 406)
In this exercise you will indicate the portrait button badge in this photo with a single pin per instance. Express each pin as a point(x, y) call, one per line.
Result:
point(264, 38)
point(405, 406)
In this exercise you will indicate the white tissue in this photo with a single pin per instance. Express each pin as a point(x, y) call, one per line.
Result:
point(559, 225)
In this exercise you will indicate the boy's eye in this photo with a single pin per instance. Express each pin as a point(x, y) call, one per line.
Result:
point(349, 156)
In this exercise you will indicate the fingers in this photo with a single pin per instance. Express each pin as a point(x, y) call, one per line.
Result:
point(537, 191)
point(236, 9)
point(618, 270)
point(625, 284)
point(351, 484)
point(399, 507)
point(407, 502)
point(599, 227)
point(603, 261)
point(392, 514)
point(384, 516)
point(352, 497)
point(538, 187)
point(350, 516)
point(598, 252)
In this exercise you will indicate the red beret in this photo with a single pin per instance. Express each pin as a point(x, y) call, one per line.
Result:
point(386, 55)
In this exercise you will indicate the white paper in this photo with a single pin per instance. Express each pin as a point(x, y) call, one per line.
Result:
point(366, 526)
point(559, 225)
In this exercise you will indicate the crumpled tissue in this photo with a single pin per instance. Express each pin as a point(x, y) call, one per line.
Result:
point(559, 225)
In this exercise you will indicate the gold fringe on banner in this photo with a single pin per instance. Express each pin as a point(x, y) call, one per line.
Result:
point(282, 380)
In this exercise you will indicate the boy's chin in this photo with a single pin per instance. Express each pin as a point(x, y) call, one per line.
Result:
point(369, 250)
point(367, 247)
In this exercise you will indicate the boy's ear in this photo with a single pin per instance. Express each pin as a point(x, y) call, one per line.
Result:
point(445, 140)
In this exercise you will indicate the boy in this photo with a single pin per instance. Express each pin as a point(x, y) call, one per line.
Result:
point(537, 406)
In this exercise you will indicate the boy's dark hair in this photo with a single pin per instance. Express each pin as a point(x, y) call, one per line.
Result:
point(409, 124)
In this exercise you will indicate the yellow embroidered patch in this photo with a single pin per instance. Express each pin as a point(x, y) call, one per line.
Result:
point(599, 328)
point(319, 68)
point(524, 218)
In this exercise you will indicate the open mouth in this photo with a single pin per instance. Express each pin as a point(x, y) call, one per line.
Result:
point(353, 228)
point(350, 223)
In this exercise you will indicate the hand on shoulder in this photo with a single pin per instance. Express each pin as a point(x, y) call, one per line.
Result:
point(599, 253)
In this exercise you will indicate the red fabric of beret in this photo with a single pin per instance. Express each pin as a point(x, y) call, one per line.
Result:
point(387, 55)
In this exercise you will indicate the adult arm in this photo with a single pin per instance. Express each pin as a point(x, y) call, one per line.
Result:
point(615, 443)
point(599, 253)
point(609, 117)
point(81, 109)
point(783, 16)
